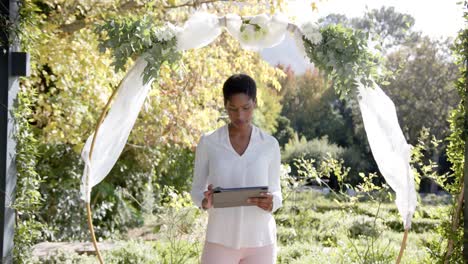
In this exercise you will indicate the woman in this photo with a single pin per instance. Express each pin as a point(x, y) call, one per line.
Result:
point(238, 155)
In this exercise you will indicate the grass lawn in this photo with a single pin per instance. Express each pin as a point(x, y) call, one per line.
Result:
point(312, 228)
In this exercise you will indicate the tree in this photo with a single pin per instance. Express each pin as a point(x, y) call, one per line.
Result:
point(420, 71)
point(388, 27)
point(316, 112)
point(385, 26)
point(423, 87)
point(313, 109)
point(284, 131)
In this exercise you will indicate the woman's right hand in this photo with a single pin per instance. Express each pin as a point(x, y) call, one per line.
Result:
point(207, 202)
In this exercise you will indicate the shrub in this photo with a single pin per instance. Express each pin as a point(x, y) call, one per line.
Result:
point(132, 187)
point(293, 252)
point(29, 199)
point(376, 252)
point(434, 199)
point(180, 232)
point(316, 149)
point(126, 253)
point(359, 161)
point(60, 167)
point(285, 220)
point(133, 252)
point(417, 225)
point(286, 235)
point(364, 226)
point(61, 256)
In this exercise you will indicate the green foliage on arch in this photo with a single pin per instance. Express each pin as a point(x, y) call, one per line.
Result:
point(344, 56)
point(129, 37)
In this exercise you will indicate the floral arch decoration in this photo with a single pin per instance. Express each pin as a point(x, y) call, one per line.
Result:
point(340, 52)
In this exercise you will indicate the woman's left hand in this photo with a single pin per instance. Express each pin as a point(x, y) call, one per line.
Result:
point(265, 201)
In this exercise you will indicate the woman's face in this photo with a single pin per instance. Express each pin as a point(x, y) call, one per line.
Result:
point(240, 108)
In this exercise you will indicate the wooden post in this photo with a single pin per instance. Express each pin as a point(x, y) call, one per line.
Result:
point(403, 246)
point(8, 90)
point(88, 205)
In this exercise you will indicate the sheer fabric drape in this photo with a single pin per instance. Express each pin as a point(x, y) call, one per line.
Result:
point(389, 147)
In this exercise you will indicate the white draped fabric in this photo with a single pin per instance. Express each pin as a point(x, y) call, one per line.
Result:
point(114, 130)
point(203, 28)
point(272, 31)
point(200, 30)
point(388, 145)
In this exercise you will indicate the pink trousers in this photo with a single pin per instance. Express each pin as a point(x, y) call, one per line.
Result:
point(218, 254)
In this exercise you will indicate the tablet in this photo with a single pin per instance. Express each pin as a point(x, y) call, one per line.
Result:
point(231, 197)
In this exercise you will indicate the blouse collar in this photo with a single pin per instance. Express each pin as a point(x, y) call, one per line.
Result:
point(222, 137)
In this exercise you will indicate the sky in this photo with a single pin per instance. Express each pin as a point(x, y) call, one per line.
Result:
point(435, 18)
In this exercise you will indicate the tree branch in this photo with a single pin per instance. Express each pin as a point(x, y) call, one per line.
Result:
point(83, 22)
point(131, 5)
point(195, 3)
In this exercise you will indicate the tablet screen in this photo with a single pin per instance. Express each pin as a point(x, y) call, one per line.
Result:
point(231, 197)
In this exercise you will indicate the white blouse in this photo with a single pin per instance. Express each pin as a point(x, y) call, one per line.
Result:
point(217, 163)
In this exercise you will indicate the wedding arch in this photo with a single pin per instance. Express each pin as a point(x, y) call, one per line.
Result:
point(341, 53)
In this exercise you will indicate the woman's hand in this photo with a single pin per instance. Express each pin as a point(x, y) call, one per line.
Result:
point(265, 201)
point(207, 202)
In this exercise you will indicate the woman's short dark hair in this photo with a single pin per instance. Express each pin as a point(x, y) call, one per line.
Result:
point(239, 83)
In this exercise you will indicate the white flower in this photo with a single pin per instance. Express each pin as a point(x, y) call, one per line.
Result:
point(248, 32)
point(167, 32)
point(260, 20)
point(311, 32)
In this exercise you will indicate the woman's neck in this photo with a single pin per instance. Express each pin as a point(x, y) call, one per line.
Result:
point(236, 131)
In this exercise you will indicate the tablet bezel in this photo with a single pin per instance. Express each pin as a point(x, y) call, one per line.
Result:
point(233, 197)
